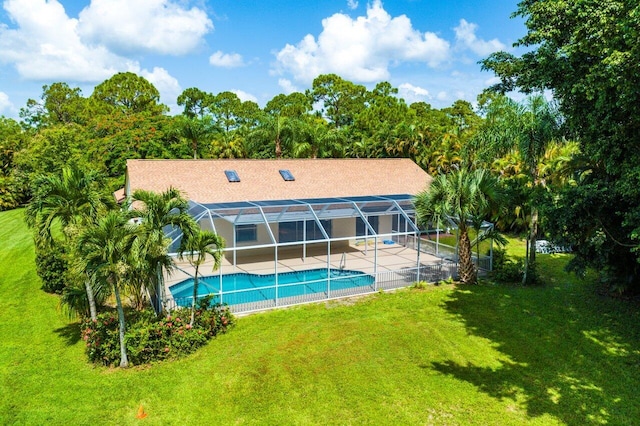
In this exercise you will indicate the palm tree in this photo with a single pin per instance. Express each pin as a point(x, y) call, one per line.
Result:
point(458, 196)
point(196, 131)
point(195, 247)
point(228, 145)
point(156, 213)
point(73, 199)
point(530, 127)
point(104, 248)
point(277, 131)
point(315, 139)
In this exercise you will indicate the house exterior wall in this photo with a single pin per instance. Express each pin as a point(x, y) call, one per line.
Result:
point(225, 230)
point(384, 224)
point(263, 235)
point(205, 225)
point(340, 228)
point(343, 228)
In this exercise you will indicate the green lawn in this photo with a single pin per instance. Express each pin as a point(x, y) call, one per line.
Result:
point(451, 239)
point(481, 355)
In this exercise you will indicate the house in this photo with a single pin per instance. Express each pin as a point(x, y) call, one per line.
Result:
point(344, 219)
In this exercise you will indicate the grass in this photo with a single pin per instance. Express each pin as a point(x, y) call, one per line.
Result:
point(455, 355)
point(451, 239)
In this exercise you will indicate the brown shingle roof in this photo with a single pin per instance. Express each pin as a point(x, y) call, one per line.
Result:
point(205, 181)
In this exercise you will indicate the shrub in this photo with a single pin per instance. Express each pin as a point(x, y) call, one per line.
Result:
point(10, 196)
point(150, 338)
point(420, 285)
point(508, 271)
point(51, 267)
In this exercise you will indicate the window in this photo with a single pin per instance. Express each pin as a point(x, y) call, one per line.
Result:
point(314, 232)
point(287, 175)
point(232, 176)
point(289, 232)
point(246, 233)
point(362, 230)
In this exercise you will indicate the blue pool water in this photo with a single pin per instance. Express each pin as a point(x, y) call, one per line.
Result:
point(244, 288)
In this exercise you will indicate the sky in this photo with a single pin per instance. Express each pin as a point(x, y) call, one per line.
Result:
point(427, 49)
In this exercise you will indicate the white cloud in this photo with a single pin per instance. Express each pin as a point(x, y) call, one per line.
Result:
point(46, 44)
point(6, 107)
point(244, 96)
point(466, 38)
point(166, 84)
point(352, 4)
point(226, 60)
point(442, 96)
point(411, 93)
point(159, 26)
point(361, 49)
point(287, 86)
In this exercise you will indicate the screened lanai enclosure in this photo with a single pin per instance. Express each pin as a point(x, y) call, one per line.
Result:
point(300, 230)
point(284, 252)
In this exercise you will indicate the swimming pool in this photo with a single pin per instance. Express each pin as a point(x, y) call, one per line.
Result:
point(245, 288)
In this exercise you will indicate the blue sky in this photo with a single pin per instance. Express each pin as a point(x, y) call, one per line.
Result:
point(428, 49)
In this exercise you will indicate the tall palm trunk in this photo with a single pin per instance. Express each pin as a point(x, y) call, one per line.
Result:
point(124, 360)
point(533, 235)
point(530, 259)
point(467, 270)
point(195, 295)
point(93, 311)
point(278, 148)
point(88, 285)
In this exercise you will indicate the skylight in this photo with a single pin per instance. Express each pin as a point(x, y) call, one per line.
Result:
point(232, 176)
point(286, 175)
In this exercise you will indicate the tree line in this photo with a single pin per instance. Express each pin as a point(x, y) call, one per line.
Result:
point(123, 118)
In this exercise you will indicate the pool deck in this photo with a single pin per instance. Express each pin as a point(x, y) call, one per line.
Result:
point(359, 257)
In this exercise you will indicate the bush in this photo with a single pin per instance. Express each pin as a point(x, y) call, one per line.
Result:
point(508, 271)
point(51, 267)
point(10, 196)
point(149, 338)
point(420, 285)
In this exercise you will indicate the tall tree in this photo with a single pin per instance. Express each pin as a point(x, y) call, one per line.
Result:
point(104, 248)
point(295, 104)
point(196, 103)
point(115, 138)
point(12, 140)
point(274, 134)
point(74, 200)
point(530, 128)
point(459, 196)
point(158, 212)
point(340, 100)
point(59, 104)
point(128, 93)
point(197, 131)
point(225, 107)
point(50, 150)
point(586, 53)
point(315, 139)
point(195, 246)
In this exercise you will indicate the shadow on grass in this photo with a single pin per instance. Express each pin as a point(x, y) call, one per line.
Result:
point(570, 353)
point(70, 333)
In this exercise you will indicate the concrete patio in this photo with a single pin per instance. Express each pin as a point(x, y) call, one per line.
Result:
point(396, 267)
point(357, 257)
